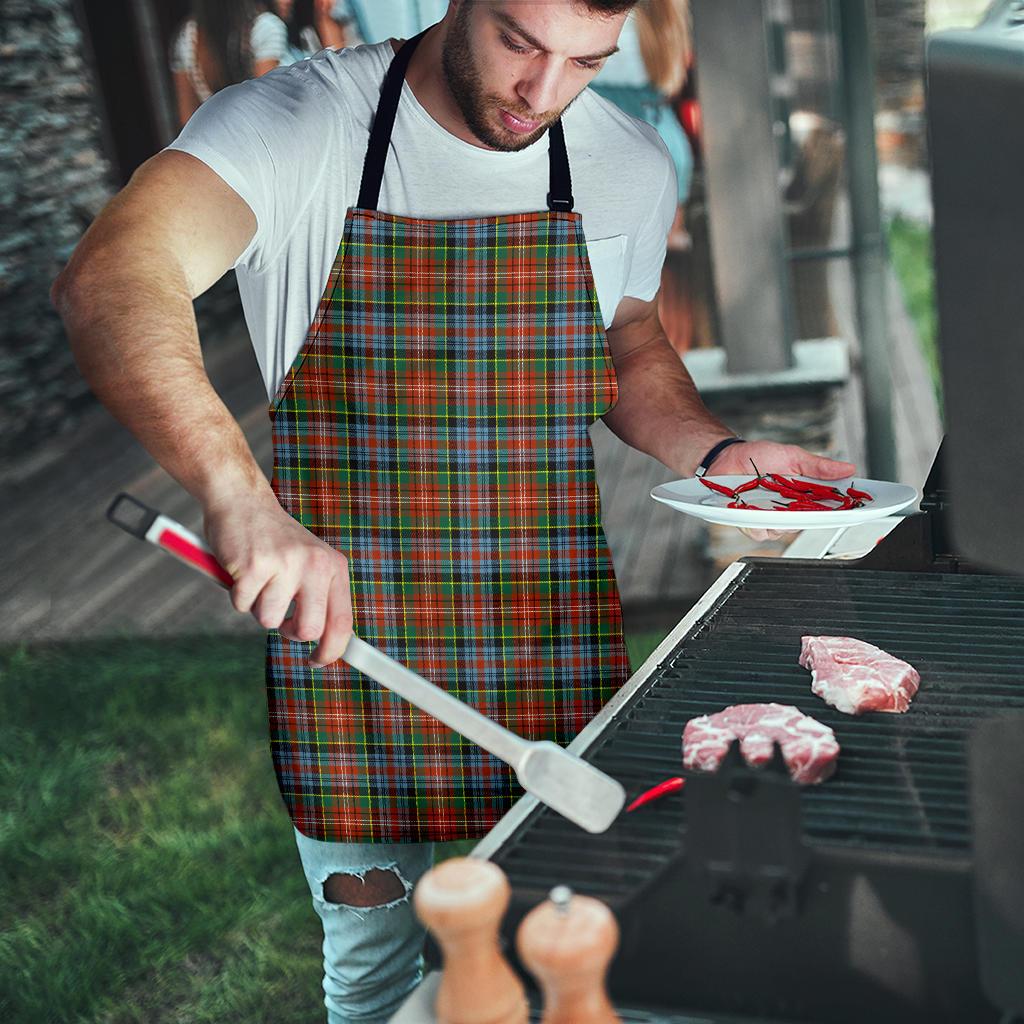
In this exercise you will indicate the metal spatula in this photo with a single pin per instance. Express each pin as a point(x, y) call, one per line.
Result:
point(562, 781)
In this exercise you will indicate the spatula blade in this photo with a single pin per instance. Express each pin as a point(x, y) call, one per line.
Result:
point(571, 786)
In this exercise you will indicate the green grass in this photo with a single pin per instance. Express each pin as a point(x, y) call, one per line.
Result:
point(148, 868)
point(910, 247)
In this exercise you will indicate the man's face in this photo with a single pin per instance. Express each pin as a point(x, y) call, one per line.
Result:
point(513, 66)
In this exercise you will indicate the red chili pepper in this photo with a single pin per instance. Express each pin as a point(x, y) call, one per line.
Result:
point(721, 489)
point(807, 505)
point(660, 790)
point(862, 495)
point(786, 492)
point(809, 487)
point(750, 485)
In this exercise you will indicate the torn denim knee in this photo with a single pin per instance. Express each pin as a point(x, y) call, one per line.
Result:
point(361, 912)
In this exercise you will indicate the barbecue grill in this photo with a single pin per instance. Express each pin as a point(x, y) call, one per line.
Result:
point(895, 890)
point(748, 896)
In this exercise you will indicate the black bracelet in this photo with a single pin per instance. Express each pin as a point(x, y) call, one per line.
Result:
point(705, 463)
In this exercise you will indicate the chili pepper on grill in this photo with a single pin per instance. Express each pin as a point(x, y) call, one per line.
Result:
point(660, 790)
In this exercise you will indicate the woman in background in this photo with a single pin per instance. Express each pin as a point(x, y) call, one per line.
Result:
point(648, 73)
point(313, 25)
point(644, 78)
point(221, 43)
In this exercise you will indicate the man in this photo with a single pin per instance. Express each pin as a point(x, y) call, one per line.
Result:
point(432, 379)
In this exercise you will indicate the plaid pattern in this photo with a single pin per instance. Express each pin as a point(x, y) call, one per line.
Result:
point(434, 428)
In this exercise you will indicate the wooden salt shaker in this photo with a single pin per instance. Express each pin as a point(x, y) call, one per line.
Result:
point(567, 942)
point(462, 901)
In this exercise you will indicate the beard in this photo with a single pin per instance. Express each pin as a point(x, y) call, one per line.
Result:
point(479, 108)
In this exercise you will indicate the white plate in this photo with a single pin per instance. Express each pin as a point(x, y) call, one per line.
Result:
point(693, 498)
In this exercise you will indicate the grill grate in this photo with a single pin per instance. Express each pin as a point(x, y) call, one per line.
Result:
point(901, 785)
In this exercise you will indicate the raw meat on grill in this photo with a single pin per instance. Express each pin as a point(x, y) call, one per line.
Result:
point(855, 677)
point(808, 747)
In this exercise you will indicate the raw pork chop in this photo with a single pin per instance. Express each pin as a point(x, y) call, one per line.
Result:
point(855, 677)
point(808, 747)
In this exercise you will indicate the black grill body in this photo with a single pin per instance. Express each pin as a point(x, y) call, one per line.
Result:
point(847, 901)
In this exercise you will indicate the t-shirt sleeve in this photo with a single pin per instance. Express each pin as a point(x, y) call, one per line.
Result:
point(269, 37)
point(269, 140)
point(652, 238)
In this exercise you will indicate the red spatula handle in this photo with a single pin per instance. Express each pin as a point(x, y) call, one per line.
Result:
point(147, 524)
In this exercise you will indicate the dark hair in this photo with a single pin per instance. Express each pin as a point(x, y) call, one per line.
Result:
point(226, 26)
point(301, 17)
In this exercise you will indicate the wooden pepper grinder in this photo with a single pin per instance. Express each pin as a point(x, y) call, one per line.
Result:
point(567, 943)
point(462, 902)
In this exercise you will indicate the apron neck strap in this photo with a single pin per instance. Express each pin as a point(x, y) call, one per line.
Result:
point(560, 185)
point(383, 122)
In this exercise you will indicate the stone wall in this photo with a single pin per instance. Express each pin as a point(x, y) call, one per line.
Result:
point(54, 178)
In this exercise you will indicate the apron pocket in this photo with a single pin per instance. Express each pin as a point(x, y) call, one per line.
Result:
point(608, 267)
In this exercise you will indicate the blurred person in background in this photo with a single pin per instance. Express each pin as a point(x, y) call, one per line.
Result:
point(645, 79)
point(373, 21)
point(313, 25)
point(647, 75)
point(221, 43)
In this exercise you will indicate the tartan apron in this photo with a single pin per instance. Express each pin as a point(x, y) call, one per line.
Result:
point(434, 429)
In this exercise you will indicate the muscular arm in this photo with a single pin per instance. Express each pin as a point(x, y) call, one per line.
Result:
point(126, 301)
point(659, 410)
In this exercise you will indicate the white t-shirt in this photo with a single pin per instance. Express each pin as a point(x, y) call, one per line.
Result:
point(292, 144)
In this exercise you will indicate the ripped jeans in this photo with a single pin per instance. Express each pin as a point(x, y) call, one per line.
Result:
point(373, 955)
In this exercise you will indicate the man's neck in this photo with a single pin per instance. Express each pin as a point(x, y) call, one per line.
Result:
point(425, 76)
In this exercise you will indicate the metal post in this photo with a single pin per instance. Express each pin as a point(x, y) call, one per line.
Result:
point(868, 240)
point(744, 202)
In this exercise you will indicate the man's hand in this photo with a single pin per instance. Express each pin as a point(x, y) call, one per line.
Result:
point(771, 457)
point(274, 560)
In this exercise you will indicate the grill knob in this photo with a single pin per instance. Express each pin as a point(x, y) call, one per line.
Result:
point(567, 942)
point(462, 902)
